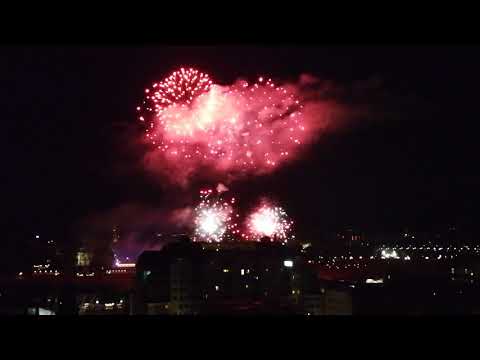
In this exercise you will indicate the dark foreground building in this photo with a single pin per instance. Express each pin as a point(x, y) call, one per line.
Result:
point(231, 278)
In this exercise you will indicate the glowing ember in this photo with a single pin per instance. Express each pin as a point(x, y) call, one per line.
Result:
point(213, 218)
point(268, 220)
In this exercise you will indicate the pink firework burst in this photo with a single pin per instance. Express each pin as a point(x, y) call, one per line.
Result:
point(242, 128)
point(176, 91)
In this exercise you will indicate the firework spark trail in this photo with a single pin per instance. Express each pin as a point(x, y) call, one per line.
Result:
point(243, 128)
point(268, 220)
point(214, 218)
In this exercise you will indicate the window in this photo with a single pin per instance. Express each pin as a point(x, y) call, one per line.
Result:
point(146, 273)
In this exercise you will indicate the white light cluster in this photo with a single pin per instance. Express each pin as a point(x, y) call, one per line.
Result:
point(389, 254)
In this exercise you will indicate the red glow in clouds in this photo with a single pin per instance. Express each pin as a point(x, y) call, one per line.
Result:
point(239, 129)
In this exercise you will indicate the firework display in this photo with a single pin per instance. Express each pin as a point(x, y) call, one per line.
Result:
point(243, 127)
point(175, 92)
point(195, 126)
point(214, 218)
point(268, 220)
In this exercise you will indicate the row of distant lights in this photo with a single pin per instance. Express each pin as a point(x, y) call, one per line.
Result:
point(115, 271)
point(47, 272)
point(340, 258)
point(434, 248)
point(112, 271)
point(387, 257)
point(385, 254)
point(78, 274)
point(85, 274)
point(346, 266)
point(108, 306)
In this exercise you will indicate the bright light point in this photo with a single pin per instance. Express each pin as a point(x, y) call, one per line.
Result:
point(389, 254)
point(374, 281)
point(125, 265)
point(288, 263)
point(210, 222)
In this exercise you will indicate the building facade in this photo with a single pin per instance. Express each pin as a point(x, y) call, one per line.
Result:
point(195, 278)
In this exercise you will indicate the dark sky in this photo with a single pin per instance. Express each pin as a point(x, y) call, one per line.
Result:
point(68, 112)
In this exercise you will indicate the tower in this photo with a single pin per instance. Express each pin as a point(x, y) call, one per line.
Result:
point(115, 235)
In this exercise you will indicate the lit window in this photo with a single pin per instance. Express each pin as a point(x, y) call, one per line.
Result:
point(242, 271)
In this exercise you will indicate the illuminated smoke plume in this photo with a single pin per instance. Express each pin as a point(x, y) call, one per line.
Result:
point(141, 227)
point(268, 220)
point(197, 127)
point(221, 188)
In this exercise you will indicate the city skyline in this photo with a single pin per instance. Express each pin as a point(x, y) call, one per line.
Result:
point(308, 180)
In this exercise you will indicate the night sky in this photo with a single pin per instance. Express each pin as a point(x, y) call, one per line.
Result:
point(69, 117)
